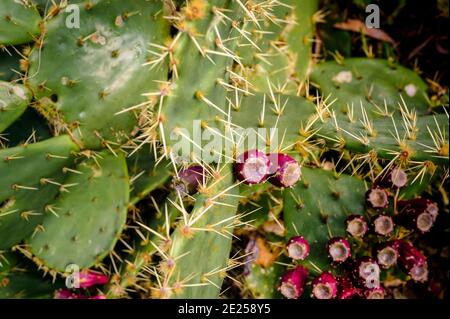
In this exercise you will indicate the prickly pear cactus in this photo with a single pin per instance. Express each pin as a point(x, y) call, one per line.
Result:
point(206, 149)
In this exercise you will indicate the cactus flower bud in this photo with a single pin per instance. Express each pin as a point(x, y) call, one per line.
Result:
point(338, 249)
point(298, 248)
point(293, 282)
point(286, 171)
point(324, 286)
point(252, 167)
point(356, 226)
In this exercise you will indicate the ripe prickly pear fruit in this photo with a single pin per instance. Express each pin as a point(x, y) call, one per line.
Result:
point(366, 273)
point(387, 254)
point(417, 214)
point(377, 198)
point(90, 278)
point(356, 226)
point(346, 290)
point(66, 294)
point(286, 171)
point(325, 286)
point(293, 282)
point(252, 167)
point(412, 261)
point(375, 293)
point(383, 225)
point(394, 178)
point(338, 249)
point(298, 248)
point(190, 179)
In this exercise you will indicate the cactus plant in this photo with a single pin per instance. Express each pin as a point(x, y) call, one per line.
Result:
point(140, 146)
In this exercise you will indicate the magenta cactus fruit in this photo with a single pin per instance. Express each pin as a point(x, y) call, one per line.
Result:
point(298, 248)
point(393, 178)
point(190, 179)
point(67, 294)
point(286, 171)
point(412, 261)
point(325, 286)
point(338, 249)
point(387, 254)
point(418, 214)
point(366, 273)
point(383, 225)
point(377, 198)
point(375, 293)
point(90, 278)
point(252, 167)
point(356, 226)
point(293, 282)
point(346, 289)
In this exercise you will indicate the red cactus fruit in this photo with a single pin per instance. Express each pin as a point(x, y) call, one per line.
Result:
point(417, 214)
point(387, 254)
point(90, 278)
point(325, 286)
point(383, 225)
point(412, 261)
point(67, 294)
point(286, 171)
point(189, 179)
point(375, 293)
point(298, 248)
point(346, 290)
point(293, 282)
point(356, 226)
point(366, 273)
point(338, 249)
point(252, 167)
point(393, 178)
point(377, 198)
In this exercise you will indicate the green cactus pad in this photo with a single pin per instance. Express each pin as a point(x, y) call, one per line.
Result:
point(9, 61)
point(284, 48)
point(206, 252)
point(370, 82)
point(19, 281)
point(30, 177)
point(14, 99)
point(19, 22)
point(144, 175)
point(317, 208)
point(23, 167)
point(104, 73)
point(293, 116)
point(29, 125)
point(263, 282)
point(427, 139)
point(90, 216)
point(207, 71)
point(21, 214)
